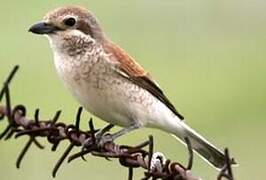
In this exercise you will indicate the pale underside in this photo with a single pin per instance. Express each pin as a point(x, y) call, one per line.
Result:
point(96, 82)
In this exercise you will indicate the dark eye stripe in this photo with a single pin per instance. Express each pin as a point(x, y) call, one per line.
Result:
point(70, 21)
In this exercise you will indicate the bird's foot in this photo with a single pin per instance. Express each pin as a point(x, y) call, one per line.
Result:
point(100, 138)
point(103, 139)
point(99, 142)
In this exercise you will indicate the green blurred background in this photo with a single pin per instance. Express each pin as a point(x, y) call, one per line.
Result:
point(208, 56)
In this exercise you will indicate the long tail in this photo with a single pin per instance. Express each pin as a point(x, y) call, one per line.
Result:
point(206, 150)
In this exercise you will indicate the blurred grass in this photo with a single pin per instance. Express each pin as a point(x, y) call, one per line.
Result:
point(209, 57)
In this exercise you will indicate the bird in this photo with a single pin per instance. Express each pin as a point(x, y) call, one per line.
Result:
point(109, 83)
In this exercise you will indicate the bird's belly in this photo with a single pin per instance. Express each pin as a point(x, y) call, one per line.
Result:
point(113, 98)
point(102, 104)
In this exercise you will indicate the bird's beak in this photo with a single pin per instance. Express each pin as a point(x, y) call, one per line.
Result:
point(43, 28)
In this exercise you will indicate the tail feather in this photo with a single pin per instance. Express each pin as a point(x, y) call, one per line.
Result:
point(206, 150)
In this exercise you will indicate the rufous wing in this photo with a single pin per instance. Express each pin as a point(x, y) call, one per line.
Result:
point(131, 70)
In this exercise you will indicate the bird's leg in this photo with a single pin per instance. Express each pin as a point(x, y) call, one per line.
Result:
point(103, 137)
point(124, 131)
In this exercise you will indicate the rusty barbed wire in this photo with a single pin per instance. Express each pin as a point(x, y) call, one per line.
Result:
point(155, 165)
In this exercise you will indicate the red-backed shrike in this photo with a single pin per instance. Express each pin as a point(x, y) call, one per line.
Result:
point(109, 83)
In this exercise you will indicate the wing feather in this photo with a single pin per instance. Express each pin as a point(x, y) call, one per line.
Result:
point(131, 70)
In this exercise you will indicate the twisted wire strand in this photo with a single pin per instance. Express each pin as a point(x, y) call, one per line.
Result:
point(155, 165)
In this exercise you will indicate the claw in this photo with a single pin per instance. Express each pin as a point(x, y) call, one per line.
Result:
point(87, 144)
point(106, 138)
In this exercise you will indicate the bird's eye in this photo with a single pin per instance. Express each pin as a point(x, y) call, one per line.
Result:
point(70, 21)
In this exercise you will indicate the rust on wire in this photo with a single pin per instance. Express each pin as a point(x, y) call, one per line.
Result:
point(155, 165)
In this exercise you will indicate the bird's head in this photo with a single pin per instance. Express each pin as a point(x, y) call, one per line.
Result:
point(71, 22)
